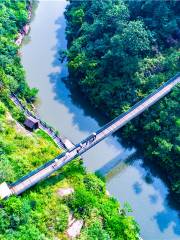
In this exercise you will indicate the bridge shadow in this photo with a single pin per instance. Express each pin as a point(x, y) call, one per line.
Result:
point(112, 166)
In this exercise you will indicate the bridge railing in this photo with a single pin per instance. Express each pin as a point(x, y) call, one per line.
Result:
point(33, 172)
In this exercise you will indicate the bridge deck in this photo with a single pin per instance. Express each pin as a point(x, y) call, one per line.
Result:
point(47, 169)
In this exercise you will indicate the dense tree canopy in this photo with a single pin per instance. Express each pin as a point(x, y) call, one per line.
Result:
point(120, 51)
point(13, 16)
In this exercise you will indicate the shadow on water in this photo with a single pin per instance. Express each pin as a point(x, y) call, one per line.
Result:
point(70, 95)
point(27, 38)
point(111, 168)
point(171, 210)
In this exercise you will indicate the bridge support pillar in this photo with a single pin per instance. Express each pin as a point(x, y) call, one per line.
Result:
point(5, 191)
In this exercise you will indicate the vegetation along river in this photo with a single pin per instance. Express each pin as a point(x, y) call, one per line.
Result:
point(63, 107)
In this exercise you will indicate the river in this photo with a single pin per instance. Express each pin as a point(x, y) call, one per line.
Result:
point(128, 178)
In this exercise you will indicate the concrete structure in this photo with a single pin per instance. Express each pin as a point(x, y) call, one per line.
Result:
point(65, 191)
point(4, 190)
point(50, 167)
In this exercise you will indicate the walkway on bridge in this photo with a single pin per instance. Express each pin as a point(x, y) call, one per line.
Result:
point(47, 169)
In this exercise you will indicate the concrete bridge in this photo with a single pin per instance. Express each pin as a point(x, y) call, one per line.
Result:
point(50, 167)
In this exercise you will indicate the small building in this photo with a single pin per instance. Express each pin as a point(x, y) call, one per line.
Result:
point(31, 123)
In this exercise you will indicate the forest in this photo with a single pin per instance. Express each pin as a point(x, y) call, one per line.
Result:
point(41, 213)
point(119, 52)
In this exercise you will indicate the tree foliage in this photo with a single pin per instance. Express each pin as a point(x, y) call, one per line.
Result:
point(13, 16)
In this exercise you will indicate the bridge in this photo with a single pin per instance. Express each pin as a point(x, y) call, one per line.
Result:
point(53, 165)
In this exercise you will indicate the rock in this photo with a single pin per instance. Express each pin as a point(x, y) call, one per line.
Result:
point(26, 29)
point(74, 230)
point(19, 39)
point(65, 191)
point(71, 219)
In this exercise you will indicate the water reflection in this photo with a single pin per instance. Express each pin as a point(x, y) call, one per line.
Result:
point(150, 202)
point(165, 219)
point(137, 188)
point(148, 178)
point(153, 198)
